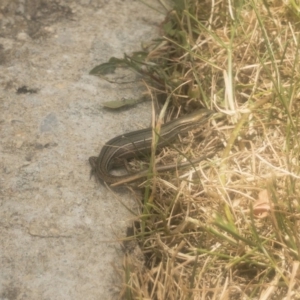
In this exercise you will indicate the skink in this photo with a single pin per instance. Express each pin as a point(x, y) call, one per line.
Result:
point(138, 143)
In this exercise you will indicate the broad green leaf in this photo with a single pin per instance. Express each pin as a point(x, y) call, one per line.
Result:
point(108, 67)
point(115, 104)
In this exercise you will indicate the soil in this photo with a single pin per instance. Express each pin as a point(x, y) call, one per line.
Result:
point(61, 230)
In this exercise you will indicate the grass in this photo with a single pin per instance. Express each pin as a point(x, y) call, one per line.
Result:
point(228, 230)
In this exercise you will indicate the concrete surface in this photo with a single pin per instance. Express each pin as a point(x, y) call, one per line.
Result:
point(59, 229)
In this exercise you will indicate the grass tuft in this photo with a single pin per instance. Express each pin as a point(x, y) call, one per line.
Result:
point(226, 228)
